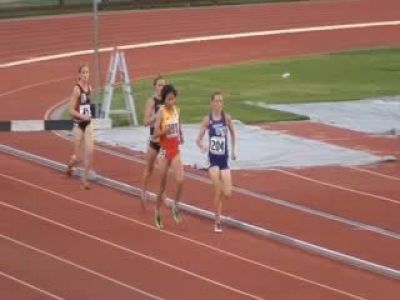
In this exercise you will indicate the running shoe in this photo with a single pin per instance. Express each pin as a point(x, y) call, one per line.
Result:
point(175, 213)
point(158, 220)
point(143, 200)
point(68, 171)
point(85, 185)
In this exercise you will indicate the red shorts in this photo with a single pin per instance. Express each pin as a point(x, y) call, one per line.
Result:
point(169, 148)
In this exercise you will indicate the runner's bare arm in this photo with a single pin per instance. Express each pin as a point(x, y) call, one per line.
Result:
point(203, 128)
point(233, 136)
point(157, 126)
point(180, 132)
point(149, 115)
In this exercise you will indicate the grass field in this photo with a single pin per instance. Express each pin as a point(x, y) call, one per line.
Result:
point(333, 77)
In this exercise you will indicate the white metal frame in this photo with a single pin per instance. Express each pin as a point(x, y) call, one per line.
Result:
point(118, 66)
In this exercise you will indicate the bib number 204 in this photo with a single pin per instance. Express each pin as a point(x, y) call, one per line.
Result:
point(217, 145)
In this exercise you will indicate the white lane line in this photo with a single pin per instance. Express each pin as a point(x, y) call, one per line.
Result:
point(323, 214)
point(34, 85)
point(68, 262)
point(204, 39)
point(210, 247)
point(375, 173)
point(132, 252)
point(33, 287)
point(339, 187)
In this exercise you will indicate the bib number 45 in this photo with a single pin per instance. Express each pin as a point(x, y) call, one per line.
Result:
point(85, 110)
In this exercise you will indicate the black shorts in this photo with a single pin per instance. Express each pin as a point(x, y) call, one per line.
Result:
point(156, 146)
point(222, 163)
point(82, 125)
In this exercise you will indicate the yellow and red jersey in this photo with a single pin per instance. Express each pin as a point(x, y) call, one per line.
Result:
point(171, 140)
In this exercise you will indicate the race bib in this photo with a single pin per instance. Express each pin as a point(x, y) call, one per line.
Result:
point(173, 130)
point(217, 145)
point(85, 110)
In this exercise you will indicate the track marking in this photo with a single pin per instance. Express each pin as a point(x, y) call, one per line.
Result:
point(210, 247)
point(68, 262)
point(240, 190)
point(31, 286)
point(375, 173)
point(130, 251)
point(34, 85)
point(203, 39)
point(333, 29)
point(339, 187)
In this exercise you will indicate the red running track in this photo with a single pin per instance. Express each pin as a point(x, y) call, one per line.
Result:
point(118, 253)
point(71, 33)
point(38, 86)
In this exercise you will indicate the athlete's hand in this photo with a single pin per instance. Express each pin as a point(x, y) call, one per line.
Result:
point(85, 118)
point(233, 155)
point(203, 147)
point(163, 131)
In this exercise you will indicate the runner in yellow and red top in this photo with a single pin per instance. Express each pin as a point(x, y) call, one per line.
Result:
point(168, 128)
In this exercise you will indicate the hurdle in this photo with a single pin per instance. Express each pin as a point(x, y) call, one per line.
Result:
point(48, 125)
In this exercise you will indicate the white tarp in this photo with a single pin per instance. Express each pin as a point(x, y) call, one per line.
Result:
point(257, 148)
point(374, 116)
